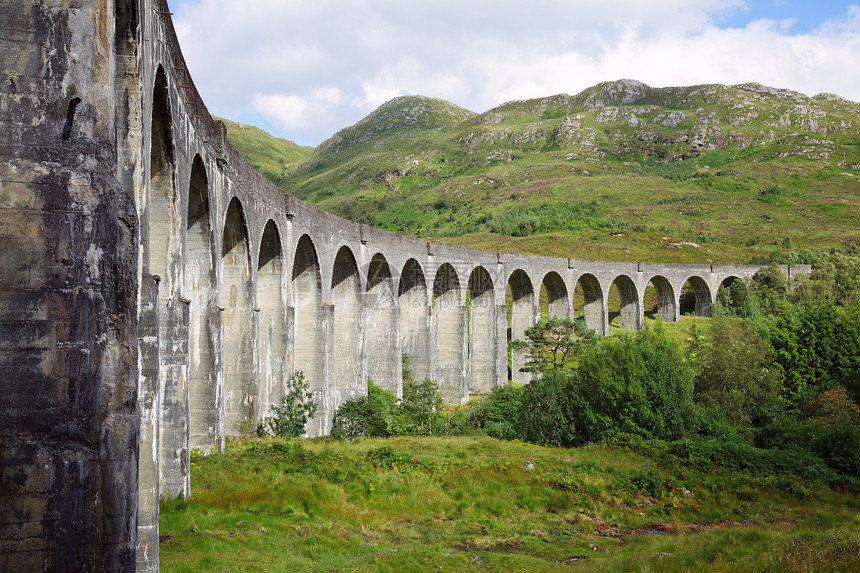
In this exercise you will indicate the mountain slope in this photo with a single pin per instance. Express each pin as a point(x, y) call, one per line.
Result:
point(267, 154)
point(622, 170)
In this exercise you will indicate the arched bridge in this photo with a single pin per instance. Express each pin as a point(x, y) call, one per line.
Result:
point(157, 291)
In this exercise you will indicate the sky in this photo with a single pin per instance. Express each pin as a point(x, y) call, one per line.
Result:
point(303, 69)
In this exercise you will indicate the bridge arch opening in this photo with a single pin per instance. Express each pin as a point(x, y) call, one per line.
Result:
point(554, 302)
point(309, 351)
point(658, 300)
point(348, 326)
point(163, 209)
point(272, 318)
point(695, 297)
point(384, 355)
point(127, 113)
point(588, 303)
point(200, 290)
point(623, 303)
point(732, 294)
point(240, 392)
point(450, 335)
point(483, 331)
point(414, 304)
point(520, 302)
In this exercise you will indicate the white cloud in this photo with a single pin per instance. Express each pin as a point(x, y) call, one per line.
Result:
point(315, 66)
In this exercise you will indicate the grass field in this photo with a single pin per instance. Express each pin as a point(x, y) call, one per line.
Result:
point(473, 503)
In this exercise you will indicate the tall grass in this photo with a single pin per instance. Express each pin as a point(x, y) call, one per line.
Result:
point(413, 504)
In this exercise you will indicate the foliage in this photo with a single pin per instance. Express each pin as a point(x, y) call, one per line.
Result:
point(290, 417)
point(371, 415)
point(498, 413)
point(813, 342)
point(833, 421)
point(418, 504)
point(640, 385)
point(548, 415)
point(734, 372)
point(420, 407)
point(554, 344)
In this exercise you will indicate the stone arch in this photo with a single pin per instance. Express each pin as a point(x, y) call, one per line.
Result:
point(200, 290)
point(126, 89)
point(272, 318)
point(162, 257)
point(701, 293)
point(450, 335)
point(557, 303)
point(309, 324)
point(240, 392)
point(163, 220)
point(383, 327)
point(349, 379)
point(414, 304)
point(630, 309)
point(667, 308)
point(522, 316)
point(483, 336)
point(593, 305)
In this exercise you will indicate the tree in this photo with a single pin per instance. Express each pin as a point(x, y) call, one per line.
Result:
point(640, 384)
point(371, 415)
point(291, 416)
point(554, 344)
point(420, 405)
point(735, 373)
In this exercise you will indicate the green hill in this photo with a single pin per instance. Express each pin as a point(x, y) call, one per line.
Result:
point(620, 171)
point(267, 154)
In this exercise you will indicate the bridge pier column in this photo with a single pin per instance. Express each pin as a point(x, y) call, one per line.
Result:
point(148, 407)
point(500, 334)
point(173, 410)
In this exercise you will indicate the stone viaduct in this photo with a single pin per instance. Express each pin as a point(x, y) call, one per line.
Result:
point(155, 290)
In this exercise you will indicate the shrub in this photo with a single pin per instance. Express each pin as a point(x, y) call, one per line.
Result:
point(498, 413)
point(371, 415)
point(420, 407)
point(291, 416)
point(547, 412)
point(735, 373)
point(639, 385)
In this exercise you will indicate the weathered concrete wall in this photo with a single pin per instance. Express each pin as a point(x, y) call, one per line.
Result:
point(157, 293)
point(68, 290)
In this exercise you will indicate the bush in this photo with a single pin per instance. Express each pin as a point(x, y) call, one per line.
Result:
point(372, 415)
point(548, 413)
point(639, 385)
point(735, 373)
point(420, 408)
point(498, 413)
point(291, 416)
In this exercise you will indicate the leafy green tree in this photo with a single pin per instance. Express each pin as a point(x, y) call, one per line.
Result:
point(735, 373)
point(813, 342)
point(554, 344)
point(498, 413)
point(288, 420)
point(548, 415)
point(641, 385)
point(419, 407)
point(371, 415)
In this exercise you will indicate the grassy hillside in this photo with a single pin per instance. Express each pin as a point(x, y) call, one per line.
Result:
point(457, 504)
point(619, 171)
point(267, 154)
